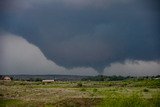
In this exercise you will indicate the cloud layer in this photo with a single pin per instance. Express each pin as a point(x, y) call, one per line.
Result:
point(133, 68)
point(18, 56)
point(86, 33)
point(21, 57)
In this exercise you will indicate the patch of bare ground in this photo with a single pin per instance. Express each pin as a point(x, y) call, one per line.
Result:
point(79, 102)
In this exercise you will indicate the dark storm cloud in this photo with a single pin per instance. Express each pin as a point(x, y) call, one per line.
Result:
point(21, 57)
point(86, 33)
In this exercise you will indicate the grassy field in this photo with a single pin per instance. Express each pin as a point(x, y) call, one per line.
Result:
point(129, 93)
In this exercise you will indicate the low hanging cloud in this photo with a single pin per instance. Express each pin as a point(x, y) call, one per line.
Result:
point(18, 56)
point(21, 57)
point(133, 68)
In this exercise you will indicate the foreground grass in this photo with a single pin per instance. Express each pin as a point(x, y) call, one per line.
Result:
point(133, 100)
point(20, 103)
point(72, 94)
point(10, 103)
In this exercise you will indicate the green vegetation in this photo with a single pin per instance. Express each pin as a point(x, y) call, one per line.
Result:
point(79, 84)
point(126, 93)
point(133, 100)
point(118, 78)
point(83, 89)
point(94, 90)
point(145, 90)
point(4, 103)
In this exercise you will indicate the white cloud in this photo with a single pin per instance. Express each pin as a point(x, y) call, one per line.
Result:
point(21, 57)
point(133, 68)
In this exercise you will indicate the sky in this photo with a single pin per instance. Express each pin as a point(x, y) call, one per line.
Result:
point(80, 37)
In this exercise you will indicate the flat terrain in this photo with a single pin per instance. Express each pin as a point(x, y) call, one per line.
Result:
point(129, 93)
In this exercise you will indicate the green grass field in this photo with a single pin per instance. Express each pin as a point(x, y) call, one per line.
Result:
point(129, 93)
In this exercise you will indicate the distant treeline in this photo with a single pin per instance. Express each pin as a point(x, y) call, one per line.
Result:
point(43, 77)
point(85, 78)
point(117, 78)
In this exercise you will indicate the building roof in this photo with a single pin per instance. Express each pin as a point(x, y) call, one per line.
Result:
point(6, 78)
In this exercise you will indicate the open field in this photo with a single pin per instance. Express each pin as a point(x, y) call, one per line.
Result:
point(129, 93)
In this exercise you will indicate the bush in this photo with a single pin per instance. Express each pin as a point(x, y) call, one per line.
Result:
point(83, 89)
point(145, 90)
point(38, 79)
point(79, 84)
point(22, 83)
point(1, 95)
point(94, 90)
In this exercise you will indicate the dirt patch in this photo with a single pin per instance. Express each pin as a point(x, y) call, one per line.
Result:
point(79, 102)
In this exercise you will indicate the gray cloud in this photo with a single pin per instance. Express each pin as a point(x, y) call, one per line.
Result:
point(21, 57)
point(84, 33)
point(18, 56)
point(79, 4)
point(133, 68)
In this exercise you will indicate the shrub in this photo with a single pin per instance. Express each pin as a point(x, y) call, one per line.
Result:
point(79, 84)
point(1, 95)
point(38, 79)
point(94, 90)
point(145, 90)
point(22, 83)
point(83, 89)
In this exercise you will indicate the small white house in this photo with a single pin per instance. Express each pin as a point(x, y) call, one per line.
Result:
point(6, 78)
point(47, 81)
